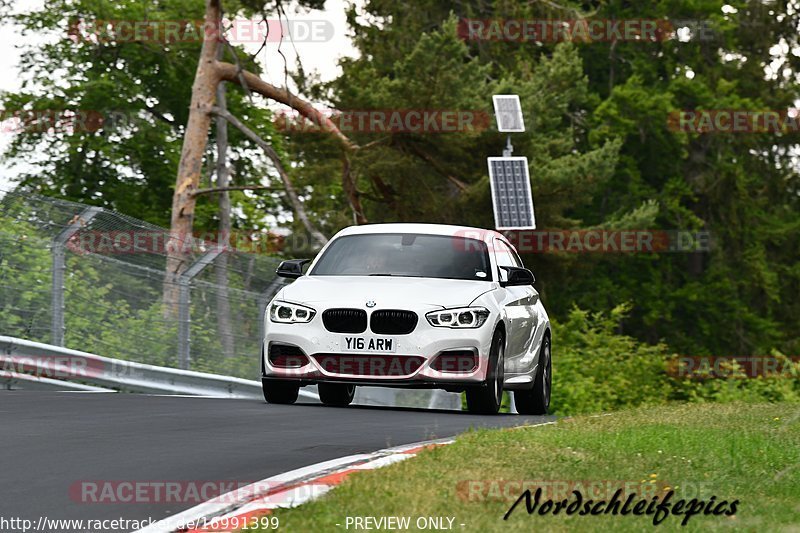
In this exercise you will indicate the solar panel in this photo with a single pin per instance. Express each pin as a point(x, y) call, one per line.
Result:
point(511, 193)
point(508, 112)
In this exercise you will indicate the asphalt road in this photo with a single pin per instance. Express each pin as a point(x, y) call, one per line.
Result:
point(53, 443)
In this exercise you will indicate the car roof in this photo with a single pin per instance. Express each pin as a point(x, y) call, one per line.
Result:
point(424, 229)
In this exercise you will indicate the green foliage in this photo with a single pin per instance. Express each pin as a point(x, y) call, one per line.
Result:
point(729, 381)
point(741, 188)
point(25, 282)
point(138, 92)
point(739, 451)
point(114, 311)
point(601, 156)
point(117, 312)
point(600, 149)
point(595, 369)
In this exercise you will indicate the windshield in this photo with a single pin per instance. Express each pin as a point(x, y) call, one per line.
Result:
point(405, 255)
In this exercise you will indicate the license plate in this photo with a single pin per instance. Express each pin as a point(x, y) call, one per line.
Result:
point(368, 345)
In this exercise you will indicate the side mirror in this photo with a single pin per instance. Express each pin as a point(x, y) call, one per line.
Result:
point(517, 276)
point(291, 268)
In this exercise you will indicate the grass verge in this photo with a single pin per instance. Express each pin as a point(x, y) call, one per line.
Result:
point(744, 452)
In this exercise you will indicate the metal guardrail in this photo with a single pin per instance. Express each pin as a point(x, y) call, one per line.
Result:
point(200, 320)
point(45, 366)
point(16, 380)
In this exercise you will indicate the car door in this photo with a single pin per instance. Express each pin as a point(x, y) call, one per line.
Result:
point(520, 308)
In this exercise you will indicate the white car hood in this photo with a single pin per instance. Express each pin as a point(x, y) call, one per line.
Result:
point(387, 292)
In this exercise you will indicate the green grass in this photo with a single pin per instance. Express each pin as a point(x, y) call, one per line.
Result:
point(744, 452)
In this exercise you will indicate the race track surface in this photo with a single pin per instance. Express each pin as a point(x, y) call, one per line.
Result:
point(53, 443)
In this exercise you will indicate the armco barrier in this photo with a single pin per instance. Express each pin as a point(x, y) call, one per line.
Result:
point(15, 380)
point(76, 370)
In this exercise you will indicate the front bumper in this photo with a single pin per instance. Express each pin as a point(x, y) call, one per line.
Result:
point(424, 345)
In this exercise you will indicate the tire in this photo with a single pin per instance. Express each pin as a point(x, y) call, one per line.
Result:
point(280, 392)
point(536, 401)
point(486, 400)
point(336, 394)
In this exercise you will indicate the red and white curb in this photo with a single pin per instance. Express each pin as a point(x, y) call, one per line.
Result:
point(290, 489)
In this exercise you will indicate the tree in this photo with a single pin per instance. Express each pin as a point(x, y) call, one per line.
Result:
point(741, 188)
point(134, 99)
point(602, 154)
point(133, 88)
point(419, 61)
point(210, 73)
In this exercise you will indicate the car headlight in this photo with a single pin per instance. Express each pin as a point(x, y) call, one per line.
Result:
point(462, 317)
point(287, 313)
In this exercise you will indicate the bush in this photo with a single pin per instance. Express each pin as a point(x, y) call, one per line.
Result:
point(596, 369)
point(728, 381)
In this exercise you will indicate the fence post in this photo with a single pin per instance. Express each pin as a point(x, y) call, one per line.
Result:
point(184, 301)
point(59, 256)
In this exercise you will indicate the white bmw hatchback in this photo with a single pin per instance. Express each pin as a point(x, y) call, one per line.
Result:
point(410, 305)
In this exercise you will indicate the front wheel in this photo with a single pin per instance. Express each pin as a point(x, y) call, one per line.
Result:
point(536, 401)
point(486, 400)
point(281, 392)
point(336, 394)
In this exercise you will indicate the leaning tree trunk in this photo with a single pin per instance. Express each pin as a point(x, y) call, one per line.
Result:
point(191, 164)
point(210, 73)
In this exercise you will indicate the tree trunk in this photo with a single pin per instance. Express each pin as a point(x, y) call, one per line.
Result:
point(191, 164)
point(291, 193)
point(351, 192)
point(208, 75)
point(221, 266)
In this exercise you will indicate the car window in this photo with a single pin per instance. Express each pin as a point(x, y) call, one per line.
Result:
point(406, 255)
point(504, 255)
point(517, 258)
